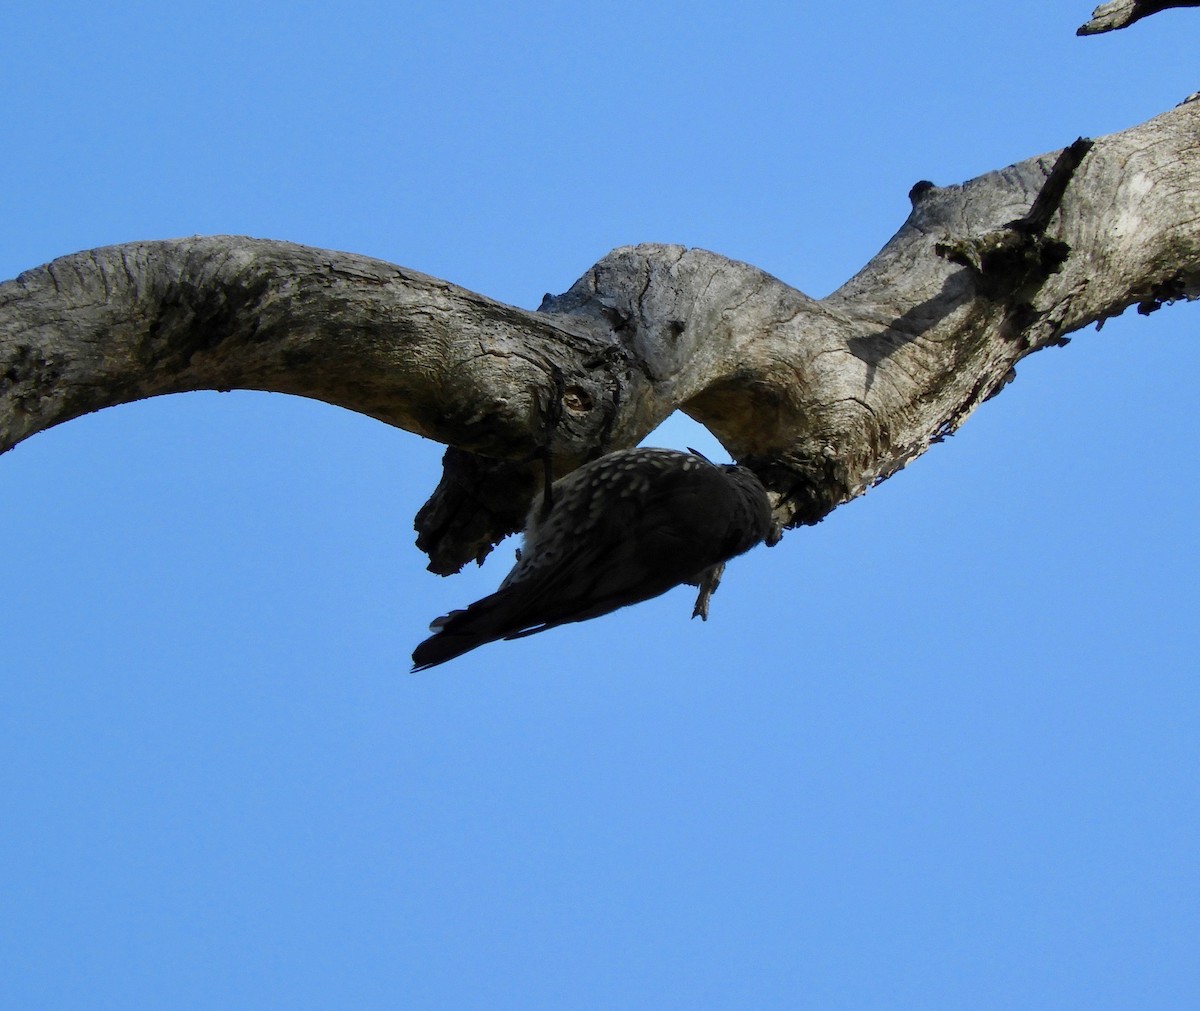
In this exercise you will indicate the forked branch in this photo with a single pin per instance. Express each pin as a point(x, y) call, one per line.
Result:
point(823, 398)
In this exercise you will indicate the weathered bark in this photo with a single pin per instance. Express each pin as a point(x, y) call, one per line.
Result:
point(122, 323)
point(1122, 13)
point(822, 397)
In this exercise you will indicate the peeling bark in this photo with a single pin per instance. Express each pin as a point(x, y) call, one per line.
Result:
point(823, 398)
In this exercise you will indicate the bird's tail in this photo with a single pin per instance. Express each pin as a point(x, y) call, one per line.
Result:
point(461, 631)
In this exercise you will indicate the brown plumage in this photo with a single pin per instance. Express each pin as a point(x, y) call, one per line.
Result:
point(621, 529)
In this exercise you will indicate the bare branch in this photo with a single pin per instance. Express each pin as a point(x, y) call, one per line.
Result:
point(823, 398)
point(122, 323)
point(1122, 13)
point(827, 398)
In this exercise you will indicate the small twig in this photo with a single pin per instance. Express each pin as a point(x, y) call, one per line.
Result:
point(1012, 257)
point(1050, 196)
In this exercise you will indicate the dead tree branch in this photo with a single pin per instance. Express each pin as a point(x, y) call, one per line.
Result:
point(824, 398)
point(1122, 13)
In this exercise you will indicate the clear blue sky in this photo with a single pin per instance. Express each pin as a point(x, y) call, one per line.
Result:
point(941, 751)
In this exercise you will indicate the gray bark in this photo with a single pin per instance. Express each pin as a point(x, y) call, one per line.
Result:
point(823, 398)
point(1122, 13)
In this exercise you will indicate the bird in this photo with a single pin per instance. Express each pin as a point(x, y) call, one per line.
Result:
point(621, 529)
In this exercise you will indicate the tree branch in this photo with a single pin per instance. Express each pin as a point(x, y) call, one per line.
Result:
point(823, 398)
point(1122, 13)
point(113, 325)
